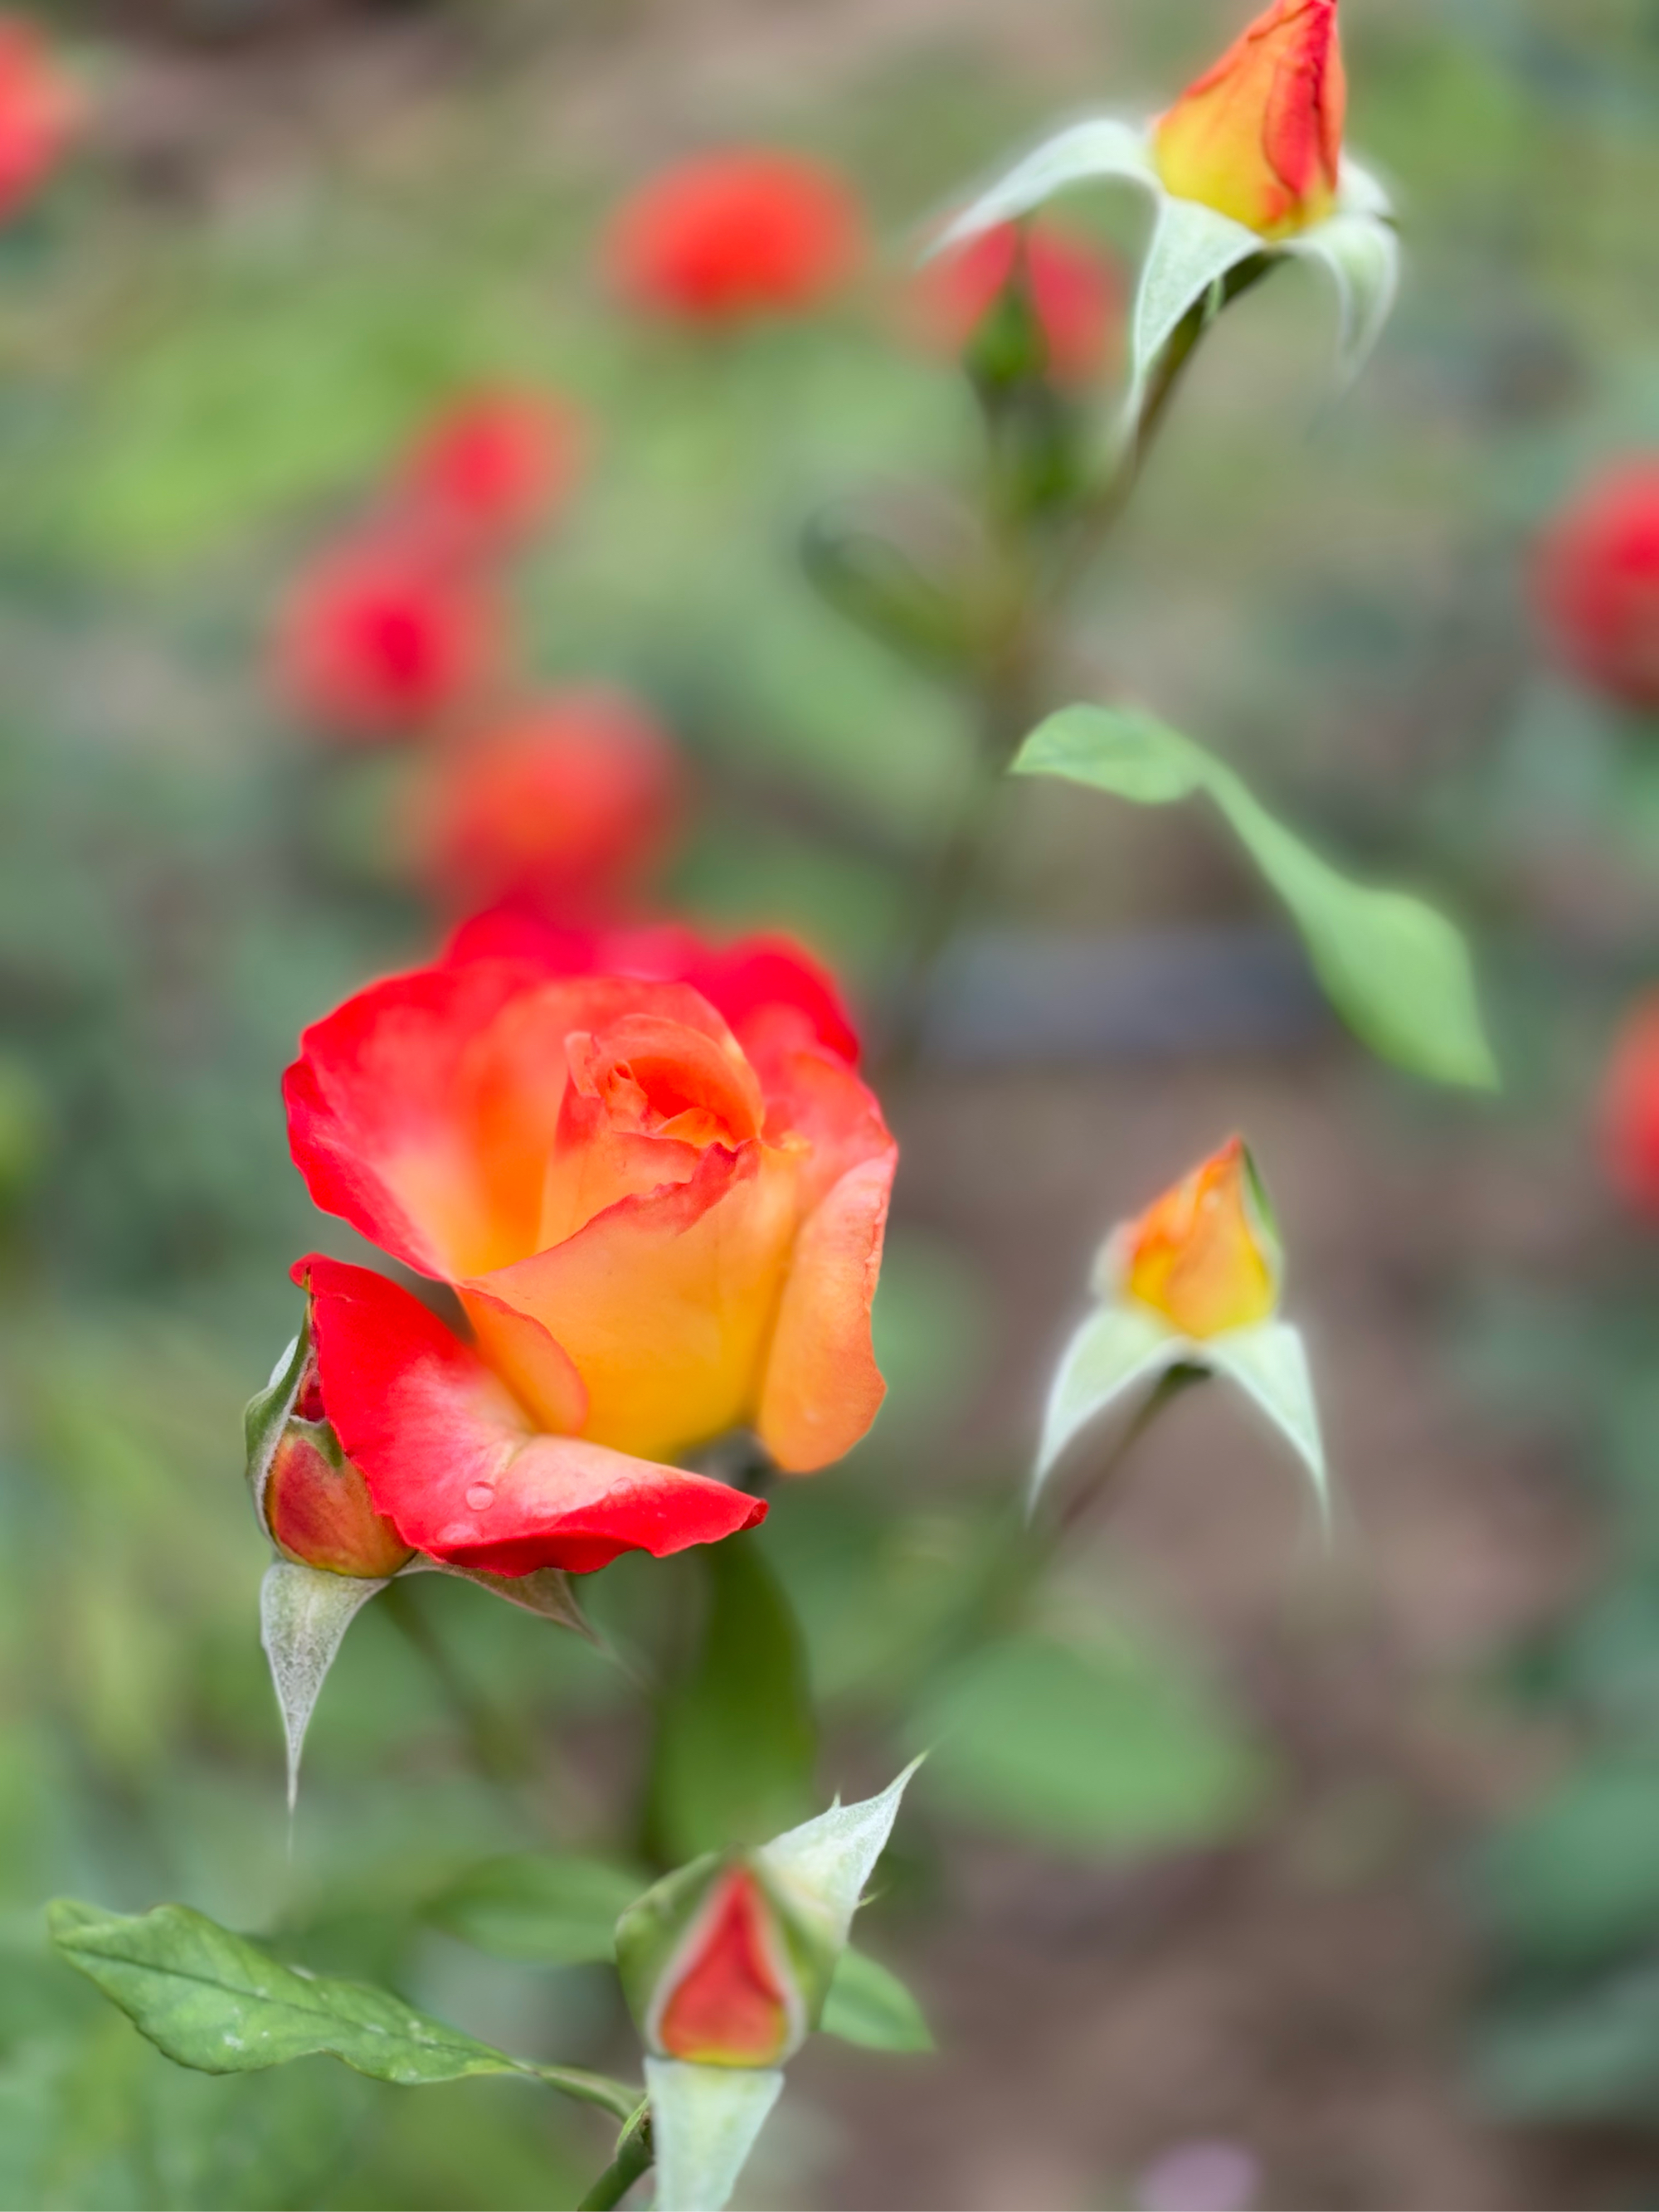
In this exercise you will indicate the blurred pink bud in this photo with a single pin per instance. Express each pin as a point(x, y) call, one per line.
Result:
point(1076, 293)
point(494, 465)
point(1596, 582)
point(40, 109)
point(1629, 1112)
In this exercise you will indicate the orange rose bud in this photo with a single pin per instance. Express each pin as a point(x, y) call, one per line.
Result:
point(1259, 137)
point(314, 1503)
point(1205, 1257)
point(728, 2001)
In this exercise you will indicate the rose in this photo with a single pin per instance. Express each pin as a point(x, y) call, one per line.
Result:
point(1259, 137)
point(1596, 582)
point(492, 466)
point(1205, 1257)
point(564, 808)
point(1075, 291)
point(660, 1202)
point(734, 234)
point(383, 634)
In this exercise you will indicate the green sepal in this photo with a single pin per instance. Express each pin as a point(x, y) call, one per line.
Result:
point(267, 1417)
point(705, 2121)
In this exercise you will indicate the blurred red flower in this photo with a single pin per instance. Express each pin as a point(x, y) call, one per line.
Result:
point(1630, 1109)
point(39, 110)
point(1596, 582)
point(381, 637)
point(561, 811)
point(1076, 293)
point(493, 465)
point(733, 234)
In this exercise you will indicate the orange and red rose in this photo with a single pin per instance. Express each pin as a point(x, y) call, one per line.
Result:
point(1259, 137)
point(650, 1173)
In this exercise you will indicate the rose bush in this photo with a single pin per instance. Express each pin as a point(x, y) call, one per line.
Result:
point(650, 1173)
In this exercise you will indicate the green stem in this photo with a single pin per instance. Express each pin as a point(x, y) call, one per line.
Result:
point(495, 1744)
point(633, 2157)
point(617, 2098)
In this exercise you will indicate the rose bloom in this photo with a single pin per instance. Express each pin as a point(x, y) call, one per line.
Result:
point(660, 1201)
point(1075, 295)
point(1629, 1112)
point(383, 636)
point(40, 111)
point(1204, 1256)
point(563, 809)
point(730, 235)
point(1259, 137)
point(492, 466)
point(1596, 582)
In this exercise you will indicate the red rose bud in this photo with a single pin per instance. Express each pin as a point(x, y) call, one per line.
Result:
point(312, 1502)
point(1629, 1113)
point(1597, 583)
point(1074, 294)
point(717, 1972)
point(381, 637)
point(563, 811)
point(493, 466)
point(1259, 137)
point(731, 235)
point(40, 110)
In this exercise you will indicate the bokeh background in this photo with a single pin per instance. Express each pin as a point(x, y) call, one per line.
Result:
point(1253, 1877)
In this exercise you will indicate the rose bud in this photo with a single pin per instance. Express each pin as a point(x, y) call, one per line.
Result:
point(312, 1502)
point(492, 467)
point(1597, 583)
point(1205, 1257)
point(1073, 291)
point(1259, 137)
point(707, 1967)
point(661, 1207)
point(380, 637)
point(1630, 1110)
point(564, 810)
point(728, 236)
point(40, 109)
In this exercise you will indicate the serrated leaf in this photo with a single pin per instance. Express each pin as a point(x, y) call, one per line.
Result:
point(213, 2000)
point(1109, 1745)
point(869, 2006)
point(705, 2120)
point(304, 1615)
point(1119, 1350)
point(544, 1908)
point(1398, 973)
point(1270, 1365)
point(829, 1859)
point(736, 1739)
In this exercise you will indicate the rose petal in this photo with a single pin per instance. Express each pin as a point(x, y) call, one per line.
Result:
point(450, 1456)
point(823, 1389)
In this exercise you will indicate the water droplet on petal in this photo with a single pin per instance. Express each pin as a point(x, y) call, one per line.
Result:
point(480, 1495)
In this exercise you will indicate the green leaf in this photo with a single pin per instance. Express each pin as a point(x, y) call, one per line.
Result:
point(704, 2123)
point(213, 2000)
point(1592, 2056)
point(868, 2005)
point(1398, 972)
point(544, 1908)
point(1097, 1746)
point(735, 1739)
point(1574, 1879)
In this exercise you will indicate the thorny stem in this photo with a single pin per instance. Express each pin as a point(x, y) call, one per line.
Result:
point(633, 2157)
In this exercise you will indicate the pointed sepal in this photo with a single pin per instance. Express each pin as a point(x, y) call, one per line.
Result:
point(821, 1866)
point(1113, 1357)
point(705, 2121)
point(304, 1614)
point(1270, 1365)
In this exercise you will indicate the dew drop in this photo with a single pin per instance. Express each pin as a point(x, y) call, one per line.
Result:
point(480, 1495)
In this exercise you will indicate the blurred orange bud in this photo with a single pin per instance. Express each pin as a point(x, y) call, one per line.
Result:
point(730, 235)
point(1596, 582)
point(40, 109)
point(1075, 293)
point(494, 465)
point(729, 1997)
point(1205, 1255)
point(384, 635)
point(1259, 137)
point(314, 1503)
point(563, 811)
point(1629, 1113)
